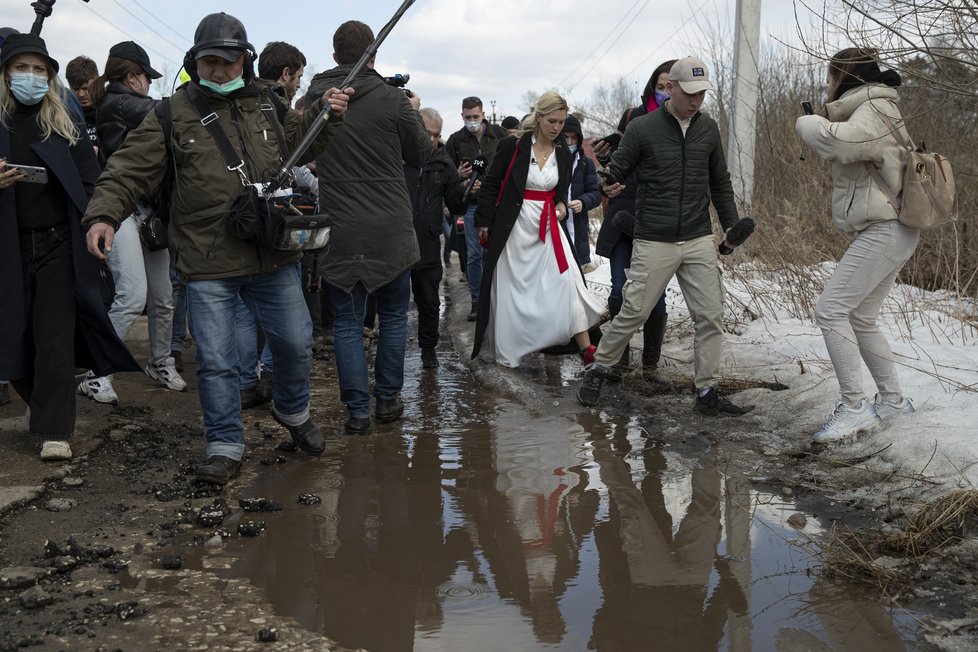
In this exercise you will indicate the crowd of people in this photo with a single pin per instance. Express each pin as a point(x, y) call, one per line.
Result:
point(80, 172)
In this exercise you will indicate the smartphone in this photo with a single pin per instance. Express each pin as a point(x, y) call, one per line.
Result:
point(612, 139)
point(807, 108)
point(463, 161)
point(34, 173)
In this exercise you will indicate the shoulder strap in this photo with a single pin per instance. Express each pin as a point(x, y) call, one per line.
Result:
point(628, 118)
point(165, 115)
point(209, 119)
point(887, 189)
point(275, 111)
point(509, 169)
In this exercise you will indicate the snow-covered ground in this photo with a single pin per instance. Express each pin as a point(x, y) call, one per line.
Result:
point(771, 336)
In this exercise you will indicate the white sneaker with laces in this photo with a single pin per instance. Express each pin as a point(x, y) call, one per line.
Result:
point(847, 421)
point(55, 451)
point(887, 410)
point(166, 373)
point(98, 388)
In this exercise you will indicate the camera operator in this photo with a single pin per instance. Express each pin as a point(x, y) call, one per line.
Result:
point(217, 265)
point(372, 242)
point(477, 139)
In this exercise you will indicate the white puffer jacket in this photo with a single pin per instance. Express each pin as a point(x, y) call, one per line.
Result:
point(853, 136)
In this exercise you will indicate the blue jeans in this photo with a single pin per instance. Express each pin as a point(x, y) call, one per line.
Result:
point(246, 334)
point(276, 299)
point(619, 261)
point(179, 310)
point(474, 251)
point(351, 359)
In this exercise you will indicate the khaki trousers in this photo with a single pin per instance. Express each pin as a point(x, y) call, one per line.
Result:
point(694, 263)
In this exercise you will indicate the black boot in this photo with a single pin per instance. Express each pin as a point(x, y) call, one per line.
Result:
point(4, 393)
point(652, 336)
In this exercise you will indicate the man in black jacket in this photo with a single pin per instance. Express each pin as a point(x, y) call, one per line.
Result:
point(431, 188)
point(678, 157)
point(477, 139)
point(372, 244)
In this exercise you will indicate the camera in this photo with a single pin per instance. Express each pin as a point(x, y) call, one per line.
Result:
point(399, 80)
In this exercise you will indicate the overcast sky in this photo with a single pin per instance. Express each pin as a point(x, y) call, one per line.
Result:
point(496, 49)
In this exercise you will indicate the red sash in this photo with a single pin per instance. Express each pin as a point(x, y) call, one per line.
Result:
point(549, 218)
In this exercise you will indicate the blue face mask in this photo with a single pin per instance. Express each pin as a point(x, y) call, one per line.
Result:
point(226, 88)
point(660, 98)
point(572, 148)
point(28, 88)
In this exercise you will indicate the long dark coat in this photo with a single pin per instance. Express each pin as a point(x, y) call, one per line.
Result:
point(502, 217)
point(96, 345)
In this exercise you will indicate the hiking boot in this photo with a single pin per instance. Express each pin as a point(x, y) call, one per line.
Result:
point(715, 404)
point(177, 360)
point(587, 354)
point(167, 375)
point(357, 426)
point(306, 436)
point(474, 313)
point(887, 410)
point(428, 358)
point(847, 421)
point(389, 409)
point(98, 388)
point(55, 451)
point(589, 393)
point(218, 470)
point(4, 393)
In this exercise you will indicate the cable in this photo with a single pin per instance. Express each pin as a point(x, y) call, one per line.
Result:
point(161, 22)
point(610, 45)
point(598, 46)
point(131, 37)
point(125, 9)
point(678, 29)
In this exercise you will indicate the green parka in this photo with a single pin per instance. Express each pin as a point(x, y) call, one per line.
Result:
point(201, 244)
point(677, 176)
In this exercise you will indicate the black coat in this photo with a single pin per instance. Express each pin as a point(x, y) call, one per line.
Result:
point(501, 217)
point(96, 345)
point(432, 186)
point(608, 235)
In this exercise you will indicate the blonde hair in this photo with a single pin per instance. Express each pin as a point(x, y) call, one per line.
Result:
point(53, 117)
point(545, 105)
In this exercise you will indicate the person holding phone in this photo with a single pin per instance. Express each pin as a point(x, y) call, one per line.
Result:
point(53, 318)
point(533, 294)
point(855, 135)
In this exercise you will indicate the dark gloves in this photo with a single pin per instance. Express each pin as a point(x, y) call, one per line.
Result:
point(737, 234)
point(624, 222)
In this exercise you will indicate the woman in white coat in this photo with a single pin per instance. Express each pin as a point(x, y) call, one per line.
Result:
point(854, 136)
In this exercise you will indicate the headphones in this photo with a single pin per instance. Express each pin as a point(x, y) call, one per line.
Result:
point(190, 59)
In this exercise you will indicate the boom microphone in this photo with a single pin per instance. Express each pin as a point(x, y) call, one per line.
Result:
point(478, 167)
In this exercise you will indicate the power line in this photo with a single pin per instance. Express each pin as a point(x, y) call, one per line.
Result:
point(598, 46)
point(126, 9)
point(678, 29)
point(131, 37)
point(161, 21)
point(610, 45)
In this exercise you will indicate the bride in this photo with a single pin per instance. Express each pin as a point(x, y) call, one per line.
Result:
point(533, 295)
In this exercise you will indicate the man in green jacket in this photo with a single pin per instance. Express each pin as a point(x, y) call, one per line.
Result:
point(217, 266)
point(677, 154)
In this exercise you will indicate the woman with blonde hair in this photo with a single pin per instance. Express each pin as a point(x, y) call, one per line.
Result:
point(533, 294)
point(863, 136)
point(53, 317)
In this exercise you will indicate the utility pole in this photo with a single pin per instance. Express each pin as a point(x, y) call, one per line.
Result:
point(743, 118)
point(493, 103)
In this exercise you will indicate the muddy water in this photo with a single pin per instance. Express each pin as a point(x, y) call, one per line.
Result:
point(472, 525)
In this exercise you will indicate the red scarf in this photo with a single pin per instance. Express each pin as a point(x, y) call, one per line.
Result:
point(548, 218)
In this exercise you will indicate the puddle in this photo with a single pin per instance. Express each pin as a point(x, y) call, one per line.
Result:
point(473, 525)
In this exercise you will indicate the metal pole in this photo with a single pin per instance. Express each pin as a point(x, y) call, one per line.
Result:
point(317, 125)
point(743, 116)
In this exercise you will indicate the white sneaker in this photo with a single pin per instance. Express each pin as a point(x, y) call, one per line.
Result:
point(887, 410)
point(846, 421)
point(166, 373)
point(55, 451)
point(98, 388)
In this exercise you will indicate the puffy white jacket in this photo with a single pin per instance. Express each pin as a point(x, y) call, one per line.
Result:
point(852, 136)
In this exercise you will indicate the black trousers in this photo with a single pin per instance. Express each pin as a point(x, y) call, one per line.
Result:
point(424, 285)
point(49, 297)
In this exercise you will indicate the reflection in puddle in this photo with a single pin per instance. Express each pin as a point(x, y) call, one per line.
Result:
point(474, 526)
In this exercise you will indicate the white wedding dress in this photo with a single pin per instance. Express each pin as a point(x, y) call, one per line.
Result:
point(533, 305)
